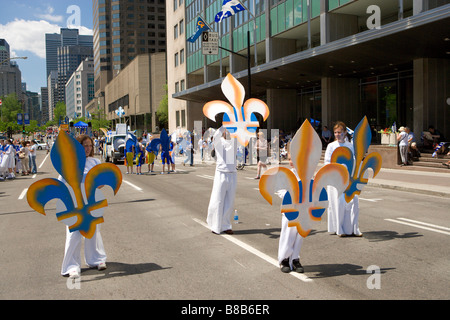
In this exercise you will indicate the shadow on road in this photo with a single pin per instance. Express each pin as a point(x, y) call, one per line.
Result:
point(334, 270)
point(118, 269)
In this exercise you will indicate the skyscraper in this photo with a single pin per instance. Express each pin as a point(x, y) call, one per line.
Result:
point(10, 75)
point(123, 30)
point(66, 37)
point(69, 58)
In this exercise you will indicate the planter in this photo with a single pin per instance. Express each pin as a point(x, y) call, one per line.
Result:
point(385, 138)
point(393, 139)
point(388, 139)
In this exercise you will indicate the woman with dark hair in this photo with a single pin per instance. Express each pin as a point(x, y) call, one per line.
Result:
point(94, 251)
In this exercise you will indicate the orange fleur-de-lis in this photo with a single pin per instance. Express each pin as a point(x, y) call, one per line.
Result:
point(305, 199)
point(240, 120)
point(69, 158)
point(358, 163)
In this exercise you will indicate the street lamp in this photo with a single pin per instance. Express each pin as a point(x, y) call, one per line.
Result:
point(13, 58)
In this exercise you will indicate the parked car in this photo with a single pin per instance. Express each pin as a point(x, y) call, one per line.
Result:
point(41, 145)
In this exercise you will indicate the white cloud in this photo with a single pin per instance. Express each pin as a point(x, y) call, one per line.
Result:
point(48, 15)
point(29, 35)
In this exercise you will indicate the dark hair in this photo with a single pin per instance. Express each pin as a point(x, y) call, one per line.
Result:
point(81, 138)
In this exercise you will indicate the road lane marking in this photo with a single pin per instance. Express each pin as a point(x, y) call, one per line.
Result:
point(42, 163)
point(371, 200)
point(256, 252)
point(420, 225)
point(132, 185)
point(24, 192)
point(425, 224)
point(205, 176)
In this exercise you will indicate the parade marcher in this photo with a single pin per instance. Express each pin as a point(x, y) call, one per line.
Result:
point(342, 216)
point(8, 160)
point(151, 156)
point(223, 192)
point(140, 156)
point(290, 241)
point(129, 154)
point(3, 168)
point(94, 251)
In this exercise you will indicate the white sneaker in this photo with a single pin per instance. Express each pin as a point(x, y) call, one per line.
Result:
point(74, 274)
point(101, 266)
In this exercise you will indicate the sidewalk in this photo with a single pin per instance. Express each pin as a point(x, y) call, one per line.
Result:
point(426, 181)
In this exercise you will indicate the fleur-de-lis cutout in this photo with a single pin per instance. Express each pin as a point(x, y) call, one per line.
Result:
point(240, 120)
point(306, 198)
point(69, 158)
point(163, 140)
point(358, 164)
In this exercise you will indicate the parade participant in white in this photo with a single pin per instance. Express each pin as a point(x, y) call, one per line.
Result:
point(290, 240)
point(342, 216)
point(225, 181)
point(94, 251)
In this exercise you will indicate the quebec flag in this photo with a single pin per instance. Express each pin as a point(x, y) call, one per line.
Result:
point(229, 8)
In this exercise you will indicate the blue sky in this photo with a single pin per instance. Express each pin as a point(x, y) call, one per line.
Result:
point(24, 25)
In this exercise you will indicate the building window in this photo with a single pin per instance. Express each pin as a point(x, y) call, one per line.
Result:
point(182, 87)
point(181, 26)
point(175, 31)
point(181, 56)
point(176, 59)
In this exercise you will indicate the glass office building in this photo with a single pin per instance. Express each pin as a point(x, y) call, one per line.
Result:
point(327, 60)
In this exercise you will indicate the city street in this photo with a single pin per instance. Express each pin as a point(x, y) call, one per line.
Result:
point(159, 246)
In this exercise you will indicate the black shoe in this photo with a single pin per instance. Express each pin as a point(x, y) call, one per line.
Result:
point(297, 266)
point(285, 266)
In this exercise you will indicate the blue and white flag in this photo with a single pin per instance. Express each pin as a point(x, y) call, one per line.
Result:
point(229, 8)
point(201, 26)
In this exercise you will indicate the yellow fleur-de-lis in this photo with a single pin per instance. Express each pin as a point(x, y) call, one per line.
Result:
point(239, 119)
point(69, 158)
point(306, 198)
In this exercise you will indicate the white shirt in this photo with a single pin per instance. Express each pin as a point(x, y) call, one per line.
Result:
point(225, 152)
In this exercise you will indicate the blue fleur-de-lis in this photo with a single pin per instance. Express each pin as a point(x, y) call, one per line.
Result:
point(305, 199)
point(240, 120)
point(69, 158)
point(359, 163)
point(163, 140)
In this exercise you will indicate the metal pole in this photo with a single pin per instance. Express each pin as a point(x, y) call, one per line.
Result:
point(248, 66)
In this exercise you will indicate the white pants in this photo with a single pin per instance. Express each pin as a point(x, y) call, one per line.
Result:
point(342, 216)
point(94, 252)
point(221, 203)
point(290, 242)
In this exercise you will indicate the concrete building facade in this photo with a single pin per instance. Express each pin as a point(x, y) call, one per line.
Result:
point(328, 60)
point(138, 89)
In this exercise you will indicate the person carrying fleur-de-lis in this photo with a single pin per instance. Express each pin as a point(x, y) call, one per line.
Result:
point(342, 216)
point(94, 250)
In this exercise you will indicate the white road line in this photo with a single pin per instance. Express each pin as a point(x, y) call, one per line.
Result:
point(371, 200)
point(425, 224)
point(256, 252)
point(24, 192)
point(205, 176)
point(33, 176)
point(132, 185)
point(42, 163)
point(418, 226)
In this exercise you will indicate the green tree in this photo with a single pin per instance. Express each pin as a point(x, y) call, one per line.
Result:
point(162, 114)
point(9, 110)
point(60, 111)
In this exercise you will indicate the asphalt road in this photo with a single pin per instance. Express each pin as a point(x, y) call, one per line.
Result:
point(158, 246)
